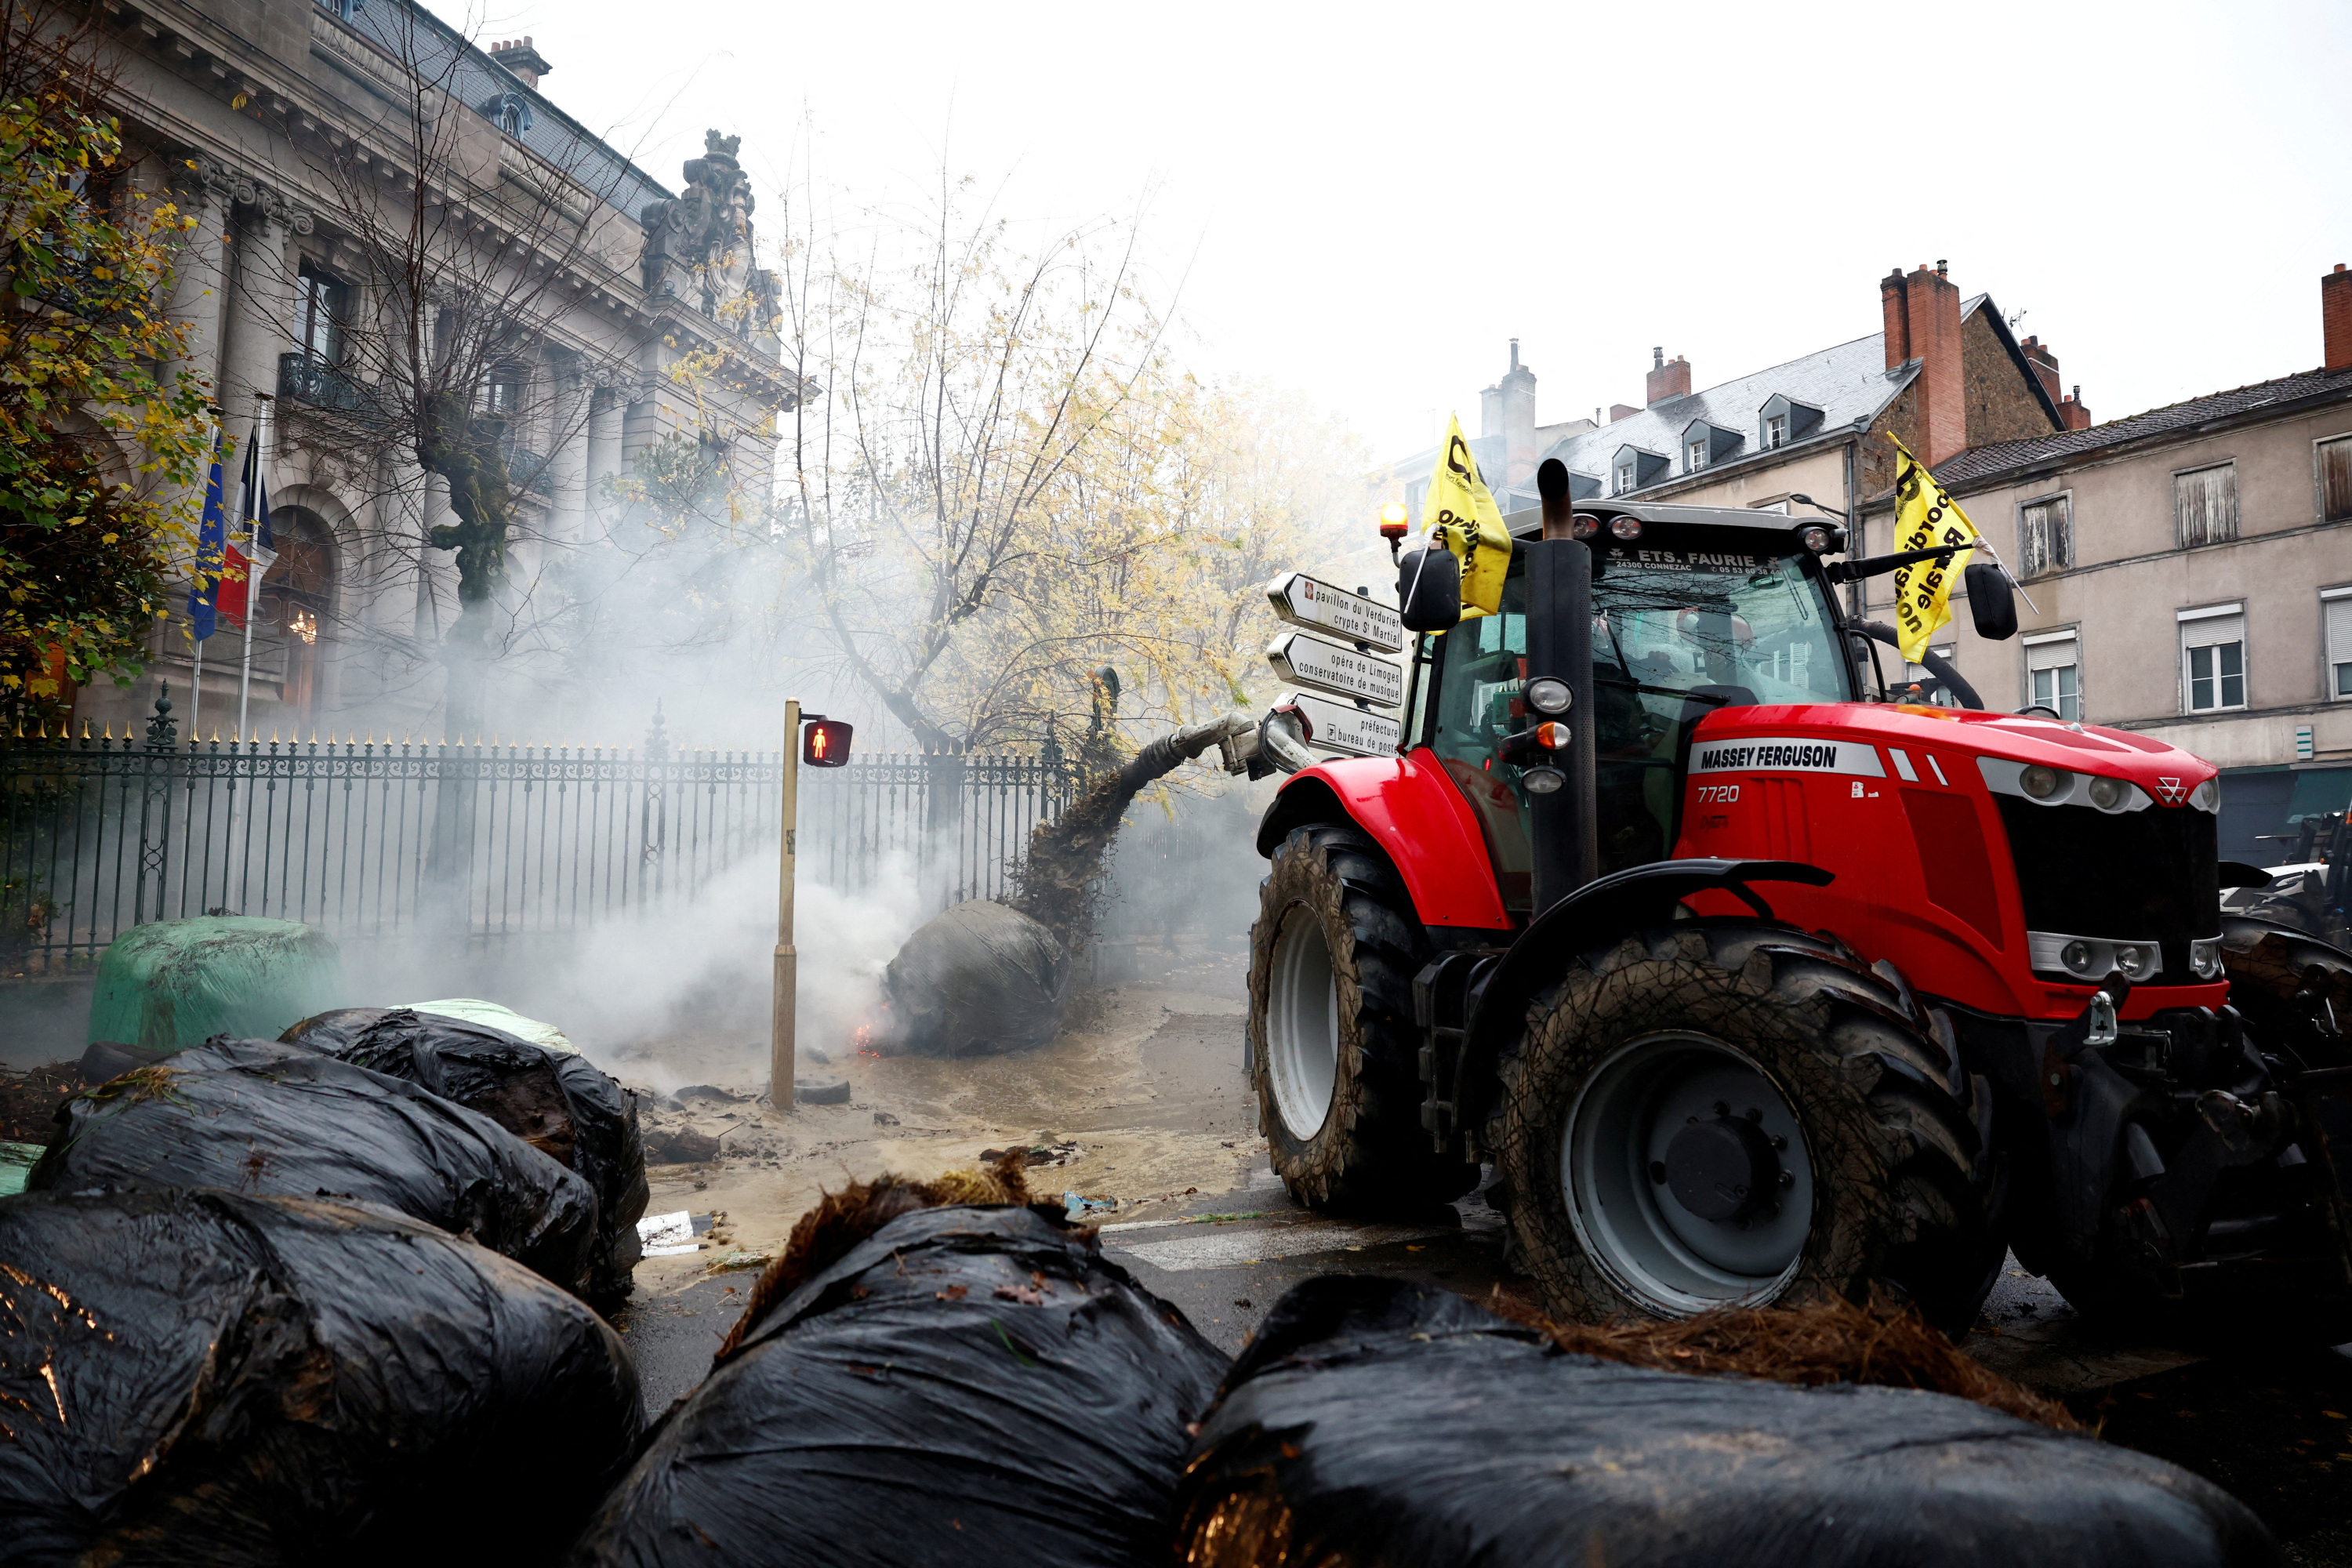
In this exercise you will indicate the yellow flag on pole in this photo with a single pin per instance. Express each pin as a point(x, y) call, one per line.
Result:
point(1461, 514)
point(1924, 515)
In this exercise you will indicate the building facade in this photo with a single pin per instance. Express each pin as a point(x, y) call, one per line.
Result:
point(297, 133)
point(2187, 572)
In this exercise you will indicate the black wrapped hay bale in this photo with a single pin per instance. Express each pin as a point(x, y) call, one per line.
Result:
point(975, 980)
point(256, 1116)
point(965, 1386)
point(1374, 1421)
point(556, 1101)
point(210, 1378)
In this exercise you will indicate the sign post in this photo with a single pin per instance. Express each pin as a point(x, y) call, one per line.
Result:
point(783, 1027)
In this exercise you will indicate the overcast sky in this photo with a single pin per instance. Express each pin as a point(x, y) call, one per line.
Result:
point(1366, 203)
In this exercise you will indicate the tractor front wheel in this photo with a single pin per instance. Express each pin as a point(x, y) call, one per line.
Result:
point(1725, 1113)
point(1334, 1056)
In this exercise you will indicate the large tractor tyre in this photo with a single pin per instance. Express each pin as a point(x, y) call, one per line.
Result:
point(2294, 990)
point(1334, 1055)
point(1725, 1113)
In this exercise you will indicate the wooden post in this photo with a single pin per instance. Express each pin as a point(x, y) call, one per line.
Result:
point(781, 1041)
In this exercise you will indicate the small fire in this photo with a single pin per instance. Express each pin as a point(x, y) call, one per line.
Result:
point(865, 1046)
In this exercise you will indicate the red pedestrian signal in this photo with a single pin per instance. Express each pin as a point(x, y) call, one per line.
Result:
point(824, 742)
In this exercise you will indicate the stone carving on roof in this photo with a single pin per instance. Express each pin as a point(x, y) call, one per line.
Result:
point(699, 244)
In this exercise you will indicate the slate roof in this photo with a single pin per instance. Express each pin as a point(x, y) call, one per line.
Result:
point(1979, 464)
point(1848, 383)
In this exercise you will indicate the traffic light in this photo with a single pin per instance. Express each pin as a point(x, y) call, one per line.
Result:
point(824, 742)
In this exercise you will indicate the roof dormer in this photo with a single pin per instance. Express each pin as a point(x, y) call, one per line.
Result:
point(1632, 467)
point(1705, 444)
point(1783, 423)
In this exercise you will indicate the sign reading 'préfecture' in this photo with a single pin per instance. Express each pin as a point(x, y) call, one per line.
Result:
point(1339, 727)
point(1304, 601)
point(1334, 666)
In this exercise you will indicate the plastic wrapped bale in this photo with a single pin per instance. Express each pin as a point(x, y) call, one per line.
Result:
point(975, 980)
point(214, 1378)
point(1375, 1421)
point(170, 983)
point(966, 1385)
point(490, 1014)
point(257, 1116)
point(556, 1101)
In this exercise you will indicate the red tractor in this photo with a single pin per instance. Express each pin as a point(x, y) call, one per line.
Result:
point(1757, 982)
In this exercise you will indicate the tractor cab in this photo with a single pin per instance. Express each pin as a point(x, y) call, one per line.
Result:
point(1693, 610)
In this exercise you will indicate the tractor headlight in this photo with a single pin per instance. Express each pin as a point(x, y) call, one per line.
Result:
point(1628, 529)
point(2078, 958)
point(1814, 537)
point(1543, 780)
point(2137, 960)
point(1549, 695)
point(2106, 793)
point(2205, 958)
point(1583, 525)
point(2207, 796)
point(2044, 783)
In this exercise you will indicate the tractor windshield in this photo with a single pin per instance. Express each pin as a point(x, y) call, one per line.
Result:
point(1675, 635)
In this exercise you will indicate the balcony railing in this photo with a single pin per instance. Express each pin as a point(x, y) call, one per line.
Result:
point(302, 378)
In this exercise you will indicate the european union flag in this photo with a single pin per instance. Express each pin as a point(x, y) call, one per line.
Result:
point(211, 540)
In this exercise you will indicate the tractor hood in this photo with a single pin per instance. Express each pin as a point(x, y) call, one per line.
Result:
point(2167, 774)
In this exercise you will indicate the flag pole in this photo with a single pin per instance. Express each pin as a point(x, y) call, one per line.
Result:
point(256, 507)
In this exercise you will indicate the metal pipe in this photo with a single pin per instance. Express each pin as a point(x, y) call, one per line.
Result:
point(783, 1046)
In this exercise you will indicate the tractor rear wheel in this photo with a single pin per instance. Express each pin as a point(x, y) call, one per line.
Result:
point(1334, 1055)
point(1726, 1112)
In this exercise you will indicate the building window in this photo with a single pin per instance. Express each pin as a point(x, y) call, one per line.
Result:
point(2213, 657)
point(1625, 477)
point(1776, 430)
point(2205, 505)
point(2336, 608)
point(2335, 461)
point(322, 304)
point(506, 388)
point(347, 10)
point(512, 113)
point(1694, 456)
point(2045, 535)
point(2054, 673)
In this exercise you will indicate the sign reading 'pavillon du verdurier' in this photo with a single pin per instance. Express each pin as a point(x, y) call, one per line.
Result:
point(1336, 668)
point(1304, 601)
point(1343, 727)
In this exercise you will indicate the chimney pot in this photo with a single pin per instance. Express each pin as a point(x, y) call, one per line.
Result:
point(1657, 359)
point(1515, 353)
point(1941, 267)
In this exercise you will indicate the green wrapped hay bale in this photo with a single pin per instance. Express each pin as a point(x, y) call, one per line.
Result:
point(172, 983)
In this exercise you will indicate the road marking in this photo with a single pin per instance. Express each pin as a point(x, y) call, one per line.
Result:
point(1226, 1247)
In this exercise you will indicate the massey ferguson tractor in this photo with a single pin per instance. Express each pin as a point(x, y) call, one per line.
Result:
point(1758, 980)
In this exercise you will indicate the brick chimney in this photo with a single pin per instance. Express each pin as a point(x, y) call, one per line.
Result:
point(1622, 411)
point(1507, 409)
point(2336, 316)
point(2072, 414)
point(1922, 311)
point(519, 57)
point(1668, 377)
point(2045, 366)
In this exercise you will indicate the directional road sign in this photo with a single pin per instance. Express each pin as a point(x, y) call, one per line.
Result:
point(1336, 668)
point(1304, 601)
point(1343, 727)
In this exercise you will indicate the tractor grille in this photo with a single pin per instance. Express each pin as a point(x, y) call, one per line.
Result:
point(2131, 876)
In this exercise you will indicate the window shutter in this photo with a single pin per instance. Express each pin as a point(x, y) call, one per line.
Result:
point(2336, 480)
point(2061, 532)
point(2339, 631)
point(2211, 631)
point(2205, 504)
point(2051, 654)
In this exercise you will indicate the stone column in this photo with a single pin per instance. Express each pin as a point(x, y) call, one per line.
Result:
point(199, 281)
point(569, 464)
point(604, 413)
point(261, 315)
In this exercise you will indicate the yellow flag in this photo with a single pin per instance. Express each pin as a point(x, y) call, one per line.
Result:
point(1924, 515)
point(1462, 516)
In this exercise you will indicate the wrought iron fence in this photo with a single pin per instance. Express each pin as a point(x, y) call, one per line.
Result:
point(371, 840)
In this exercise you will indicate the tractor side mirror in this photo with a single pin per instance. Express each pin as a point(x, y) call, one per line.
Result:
point(824, 742)
point(1429, 590)
point(1989, 604)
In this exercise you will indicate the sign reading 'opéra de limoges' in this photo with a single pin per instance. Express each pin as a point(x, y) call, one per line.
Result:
point(1343, 727)
point(1333, 667)
point(1304, 601)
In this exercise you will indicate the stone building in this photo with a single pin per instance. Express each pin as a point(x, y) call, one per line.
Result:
point(1944, 373)
point(290, 130)
point(2190, 572)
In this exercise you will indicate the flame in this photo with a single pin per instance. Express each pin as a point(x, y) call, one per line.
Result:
point(865, 1046)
